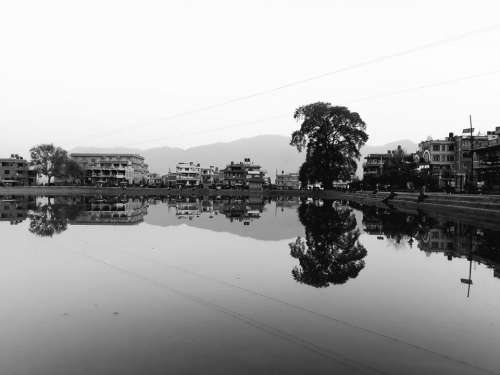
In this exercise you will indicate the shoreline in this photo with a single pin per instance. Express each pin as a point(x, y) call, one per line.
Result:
point(468, 208)
point(406, 199)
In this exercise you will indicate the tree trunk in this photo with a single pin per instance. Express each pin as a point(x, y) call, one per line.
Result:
point(328, 185)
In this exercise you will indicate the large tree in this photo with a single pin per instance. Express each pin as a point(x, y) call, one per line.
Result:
point(48, 160)
point(332, 137)
point(71, 170)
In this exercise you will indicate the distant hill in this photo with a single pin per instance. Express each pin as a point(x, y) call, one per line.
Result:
point(273, 152)
point(270, 151)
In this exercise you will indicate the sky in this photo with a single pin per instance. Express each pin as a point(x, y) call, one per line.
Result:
point(166, 73)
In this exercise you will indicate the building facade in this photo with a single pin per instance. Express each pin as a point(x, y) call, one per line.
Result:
point(154, 179)
point(188, 174)
point(487, 162)
point(112, 169)
point(374, 164)
point(287, 180)
point(15, 171)
point(438, 156)
point(244, 174)
point(210, 176)
point(455, 160)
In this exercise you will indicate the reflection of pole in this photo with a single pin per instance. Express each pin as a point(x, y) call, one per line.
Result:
point(469, 280)
point(470, 266)
point(470, 275)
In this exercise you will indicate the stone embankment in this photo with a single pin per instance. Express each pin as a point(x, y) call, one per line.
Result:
point(470, 209)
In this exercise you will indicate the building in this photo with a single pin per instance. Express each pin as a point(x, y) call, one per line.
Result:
point(245, 175)
point(169, 180)
point(188, 174)
point(374, 164)
point(439, 156)
point(210, 176)
point(154, 179)
point(450, 159)
point(287, 180)
point(15, 171)
point(112, 169)
point(488, 162)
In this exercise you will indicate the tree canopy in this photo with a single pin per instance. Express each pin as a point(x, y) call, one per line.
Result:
point(48, 160)
point(70, 169)
point(332, 137)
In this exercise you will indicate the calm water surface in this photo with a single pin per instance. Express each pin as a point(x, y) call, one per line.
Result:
point(243, 286)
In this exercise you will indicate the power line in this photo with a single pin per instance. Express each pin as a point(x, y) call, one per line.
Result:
point(309, 311)
point(325, 352)
point(359, 99)
point(346, 68)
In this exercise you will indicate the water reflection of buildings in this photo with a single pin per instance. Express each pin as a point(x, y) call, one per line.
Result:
point(54, 215)
point(287, 202)
point(115, 211)
point(254, 217)
point(242, 209)
point(451, 237)
point(105, 210)
point(14, 209)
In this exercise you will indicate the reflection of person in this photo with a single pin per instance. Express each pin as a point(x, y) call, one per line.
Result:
point(422, 195)
point(391, 195)
point(330, 253)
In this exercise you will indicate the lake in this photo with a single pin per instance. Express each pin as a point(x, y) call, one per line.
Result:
point(134, 285)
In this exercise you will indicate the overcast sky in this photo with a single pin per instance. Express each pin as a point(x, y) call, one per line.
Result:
point(113, 73)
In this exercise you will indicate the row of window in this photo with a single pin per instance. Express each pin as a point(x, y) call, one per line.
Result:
point(443, 158)
point(443, 147)
point(12, 164)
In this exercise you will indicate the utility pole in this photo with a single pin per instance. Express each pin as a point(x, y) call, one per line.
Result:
point(472, 155)
point(470, 130)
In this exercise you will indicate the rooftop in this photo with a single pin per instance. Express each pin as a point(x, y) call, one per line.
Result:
point(90, 154)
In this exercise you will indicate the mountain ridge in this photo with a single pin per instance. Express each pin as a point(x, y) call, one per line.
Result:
point(273, 152)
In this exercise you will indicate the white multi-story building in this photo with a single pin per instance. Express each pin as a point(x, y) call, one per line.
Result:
point(112, 169)
point(188, 174)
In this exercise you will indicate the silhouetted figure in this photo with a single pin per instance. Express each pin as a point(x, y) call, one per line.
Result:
point(422, 195)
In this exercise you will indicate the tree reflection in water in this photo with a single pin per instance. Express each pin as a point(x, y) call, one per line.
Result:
point(49, 218)
point(330, 253)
